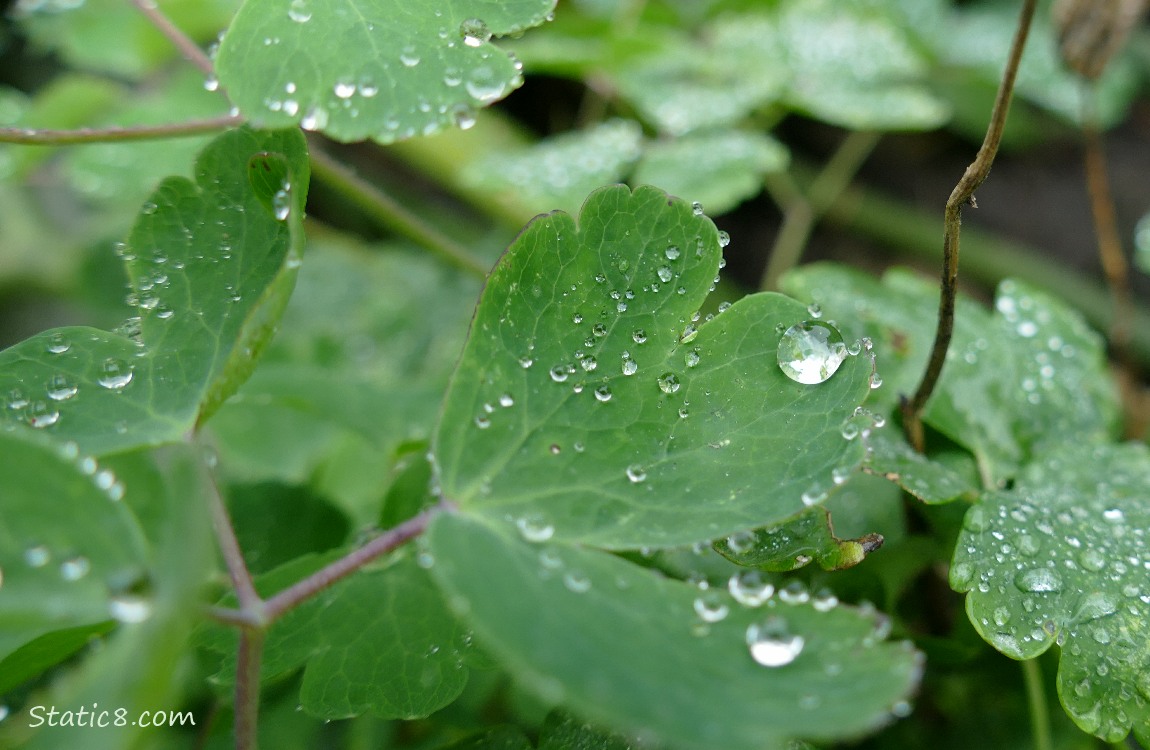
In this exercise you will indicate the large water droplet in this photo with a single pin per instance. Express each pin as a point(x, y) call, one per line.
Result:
point(299, 12)
point(1038, 580)
point(60, 387)
point(114, 374)
point(58, 343)
point(772, 644)
point(474, 32)
point(811, 352)
point(749, 589)
point(668, 382)
point(42, 414)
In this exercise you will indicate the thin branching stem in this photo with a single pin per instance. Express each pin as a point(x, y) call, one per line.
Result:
point(249, 657)
point(187, 47)
point(341, 568)
point(388, 213)
point(1036, 699)
point(963, 194)
point(800, 212)
point(241, 577)
point(112, 133)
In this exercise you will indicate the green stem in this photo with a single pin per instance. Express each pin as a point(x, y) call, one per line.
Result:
point(34, 137)
point(388, 213)
point(962, 195)
point(800, 212)
point(1036, 698)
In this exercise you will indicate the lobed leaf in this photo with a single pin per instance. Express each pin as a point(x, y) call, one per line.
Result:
point(622, 645)
point(1062, 558)
point(210, 268)
point(588, 402)
point(381, 69)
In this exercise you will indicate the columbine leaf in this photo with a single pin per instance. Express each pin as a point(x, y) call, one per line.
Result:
point(381, 642)
point(561, 731)
point(1047, 377)
point(622, 645)
point(1062, 559)
point(807, 536)
point(382, 69)
point(891, 457)
point(559, 172)
point(58, 575)
point(588, 402)
point(719, 169)
point(211, 268)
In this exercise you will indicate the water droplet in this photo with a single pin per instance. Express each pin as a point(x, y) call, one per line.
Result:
point(697, 208)
point(814, 310)
point(148, 208)
point(689, 333)
point(668, 382)
point(794, 592)
point(749, 589)
point(344, 89)
point(672, 252)
point(629, 366)
point(130, 608)
point(17, 399)
point(772, 644)
point(961, 575)
point(483, 421)
point(811, 352)
point(636, 473)
point(299, 12)
point(409, 56)
point(639, 336)
point(576, 581)
point(559, 373)
point(37, 556)
point(58, 343)
point(724, 239)
point(1038, 580)
point(665, 274)
point(824, 600)
point(484, 84)
point(710, 607)
point(315, 118)
point(534, 528)
point(114, 374)
point(603, 393)
point(60, 387)
point(73, 569)
point(474, 32)
point(526, 362)
point(42, 414)
point(1092, 560)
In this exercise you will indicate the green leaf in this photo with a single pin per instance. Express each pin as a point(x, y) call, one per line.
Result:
point(60, 575)
point(856, 67)
point(381, 641)
point(589, 403)
point(558, 172)
point(719, 169)
point(275, 523)
point(1048, 377)
point(622, 645)
point(382, 69)
point(48, 650)
point(133, 669)
point(808, 535)
point(1061, 559)
point(499, 738)
point(210, 271)
point(562, 731)
point(891, 457)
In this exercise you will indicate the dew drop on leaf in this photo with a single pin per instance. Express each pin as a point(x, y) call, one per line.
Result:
point(299, 12)
point(60, 388)
point(75, 568)
point(576, 581)
point(37, 556)
point(636, 473)
point(130, 608)
point(58, 343)
point(811, 352)
point(710, 607)
point(42, 414)
point(115, 374)
point(749, 589)
point(772, 644)
point(534, 528)
point(603, 393)
point(1038, 580)
point(474, 32)
point(668, 382)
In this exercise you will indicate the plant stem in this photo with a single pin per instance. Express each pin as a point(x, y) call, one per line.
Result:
point(247, 698)
point(1036, 698)
point(34, 137)
point(962, 194)
point(187, 47)
point(800, 212)
point(382, 208)
point(321, 579)
point(249, 599)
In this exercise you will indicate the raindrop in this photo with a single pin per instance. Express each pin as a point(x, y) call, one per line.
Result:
point(672, 252)
point(599, 330)
point(75, 568)
point(576, 582)
point(749, 589)
point(281, 202)
point(794, 593)
point(814, 310)
point(1038, 580)
point(710, 607)
point(17, 399)
point(58, 343)
point(37, 556)
point(668, 382)
point(299, 12)
point(603, 393)
point(483, 421)
point(60, 388)
point(559, 373)
point(42, 414)
point(639, 336)
point(772, 644)
point(691, 358)
point(824, 600)
point(1092, 560)
point(409, 56)
point(315, 118)
point(130, 608)
point(629, 366)
point(484, 84)
point(697, 208)
point(114, 374)
point(811, 352)
point(689, 334)
point(474, 32)
point(636, 473)
point(665, 274)
point(534, 528)
point(344, 89)
point(724, 238)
